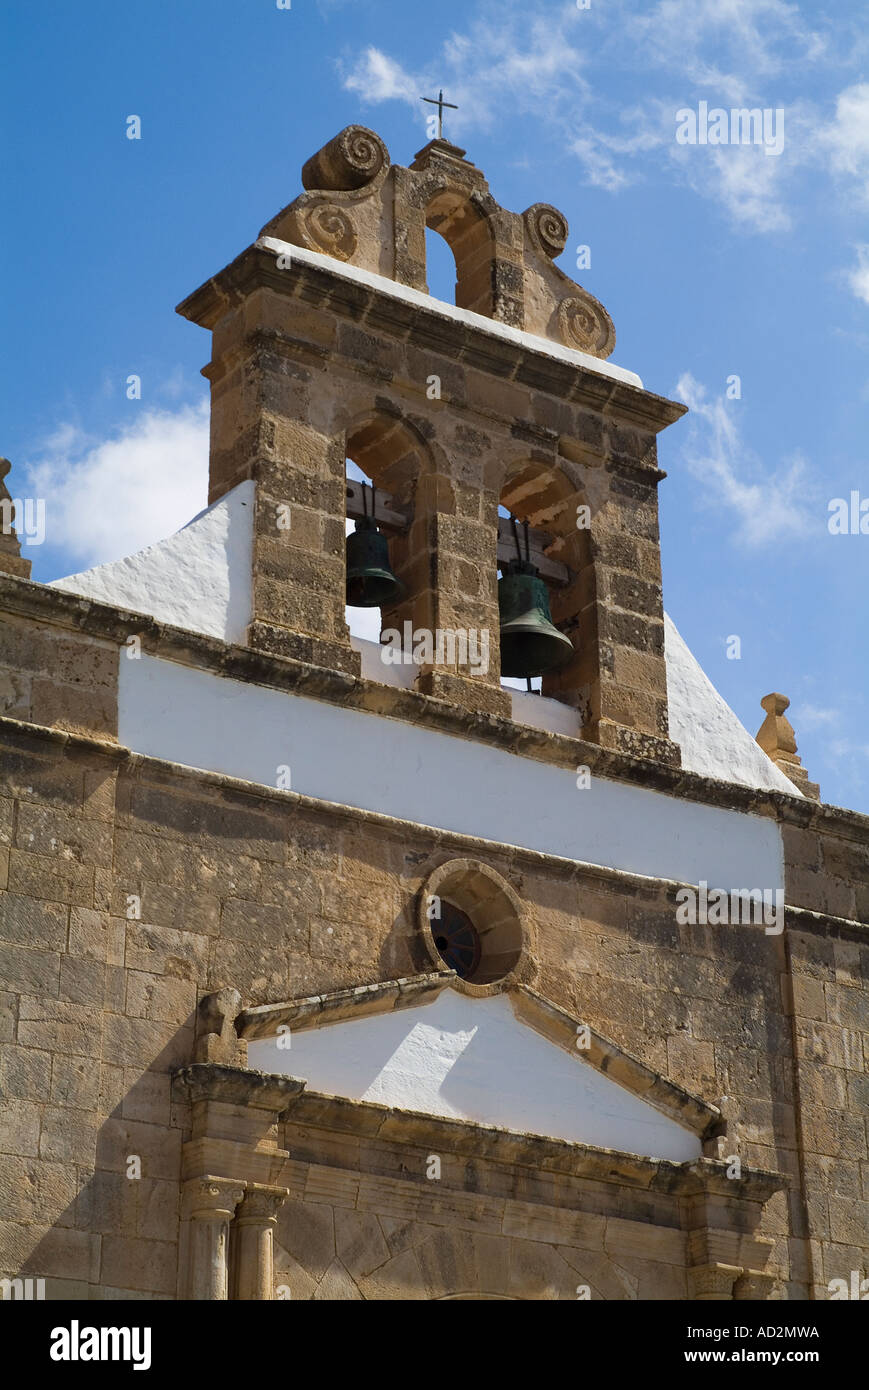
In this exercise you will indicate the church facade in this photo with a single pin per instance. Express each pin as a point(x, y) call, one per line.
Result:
point(334, 967)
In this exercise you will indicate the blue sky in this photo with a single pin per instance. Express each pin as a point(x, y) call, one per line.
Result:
point(713, 260)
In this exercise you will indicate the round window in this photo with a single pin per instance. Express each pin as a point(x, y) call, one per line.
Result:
point(457, 941)
point(470, 920)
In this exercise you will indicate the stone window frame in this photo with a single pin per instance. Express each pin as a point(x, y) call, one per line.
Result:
point(497, 913)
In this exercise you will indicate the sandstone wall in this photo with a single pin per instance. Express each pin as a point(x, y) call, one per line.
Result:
point(278, 898)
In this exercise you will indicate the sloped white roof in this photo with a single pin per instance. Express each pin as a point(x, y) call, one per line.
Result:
point(713, 740)
point(200, 579)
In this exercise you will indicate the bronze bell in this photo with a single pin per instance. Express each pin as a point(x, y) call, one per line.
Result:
point(530, 642)
point(370, 581)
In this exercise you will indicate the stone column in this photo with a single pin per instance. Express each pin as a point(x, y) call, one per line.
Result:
point(457, 549)
point(253, 1242)
point(209, 1205)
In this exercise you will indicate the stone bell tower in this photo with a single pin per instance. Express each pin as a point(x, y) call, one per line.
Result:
point(327, 346)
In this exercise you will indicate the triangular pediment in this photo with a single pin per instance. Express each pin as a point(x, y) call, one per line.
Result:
point(446, 1054)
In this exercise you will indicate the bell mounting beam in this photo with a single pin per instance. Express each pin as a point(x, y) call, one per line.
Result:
point(553, 571)
point(392, 518)
point(388, 516)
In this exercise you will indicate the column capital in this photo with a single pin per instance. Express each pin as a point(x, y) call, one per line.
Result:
point(261, 1204)
point(712, 1282)
point(209, 1198)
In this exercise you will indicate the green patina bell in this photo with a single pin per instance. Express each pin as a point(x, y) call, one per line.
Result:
point(530, 642)
point(370, 581)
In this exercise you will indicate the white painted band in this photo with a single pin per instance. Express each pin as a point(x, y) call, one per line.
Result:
point(353, 758)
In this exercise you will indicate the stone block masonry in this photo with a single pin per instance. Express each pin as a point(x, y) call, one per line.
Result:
point(136, 888)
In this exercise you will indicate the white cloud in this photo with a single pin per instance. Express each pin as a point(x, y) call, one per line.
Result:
point(601, 169)
point(377, 77)
point(511, 61)
point(555, 64)
point(107, 498)
point(559, 67)
point(844, 141)
point(843, 748)
point(858, 278)
point(698, 38)
point(745, 181)
point(767, 505)
point(814, 717)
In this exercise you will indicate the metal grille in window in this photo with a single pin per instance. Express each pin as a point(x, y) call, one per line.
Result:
point(457, 941)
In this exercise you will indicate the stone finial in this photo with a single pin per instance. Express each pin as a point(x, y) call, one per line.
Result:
point(11, 561)
point(776, 738)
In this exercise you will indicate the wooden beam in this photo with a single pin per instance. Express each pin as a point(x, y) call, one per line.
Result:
point(387, 514)
point(553, 571)
point(393, 518)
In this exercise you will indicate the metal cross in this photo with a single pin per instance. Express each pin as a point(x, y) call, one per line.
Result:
point(440, 104)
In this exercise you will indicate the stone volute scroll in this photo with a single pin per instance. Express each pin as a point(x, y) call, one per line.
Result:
point(355, 158)
point(341, 210)
point(555, 306)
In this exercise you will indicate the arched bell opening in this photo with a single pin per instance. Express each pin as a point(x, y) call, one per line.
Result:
point(385, 586)
point(466, 229)
point(545, 511)
point(371, 583)
point(441, 271)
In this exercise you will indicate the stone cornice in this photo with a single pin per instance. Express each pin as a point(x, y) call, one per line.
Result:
point(470, 339)
point(368, 1120)
point(621, 1066)
point(320, 1010)
point(108, 624)
point(212, 1081)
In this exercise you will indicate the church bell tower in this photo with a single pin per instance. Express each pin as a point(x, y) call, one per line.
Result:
point(327, 346)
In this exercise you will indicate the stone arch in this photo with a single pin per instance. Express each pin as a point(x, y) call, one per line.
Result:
point(551, 498)
point(461, 220)
point(442, 191)
point(396, 457)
